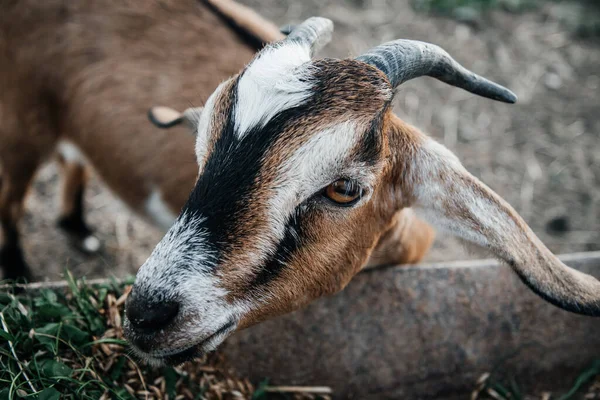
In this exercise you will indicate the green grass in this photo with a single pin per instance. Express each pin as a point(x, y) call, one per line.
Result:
point(50, 345)
point(452, 7)
point(492, 388)
point(69, 345)
point(579, 17)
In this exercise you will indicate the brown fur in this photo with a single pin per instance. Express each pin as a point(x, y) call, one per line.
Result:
point(90, 78)
point(340, 80)
point(405, 242)
point(342, 242)
point(75, 178)
point(88, 73)
point(247, 19)
point(385, 231)
point(332, 110)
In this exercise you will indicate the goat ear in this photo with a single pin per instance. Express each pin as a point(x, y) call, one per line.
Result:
point(433, 182)
point(166, 117)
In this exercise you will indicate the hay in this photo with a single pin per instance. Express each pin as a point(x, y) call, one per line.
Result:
point(69, 344)
point(586, 386)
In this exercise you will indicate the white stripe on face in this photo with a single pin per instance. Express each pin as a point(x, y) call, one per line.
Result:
point(184, 250)
point(181, 268)
point(278, 79)
point(320, 161)
point(204, 124)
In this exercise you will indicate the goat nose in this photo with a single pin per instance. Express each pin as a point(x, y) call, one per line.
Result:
point(150, 316)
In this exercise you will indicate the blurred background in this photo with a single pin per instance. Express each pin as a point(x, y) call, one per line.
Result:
point(542, 154)
point(416, 332)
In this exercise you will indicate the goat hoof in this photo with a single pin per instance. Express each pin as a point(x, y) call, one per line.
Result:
point(287, 29)
point(13, 264)
point(80, 235)
point(90, 244)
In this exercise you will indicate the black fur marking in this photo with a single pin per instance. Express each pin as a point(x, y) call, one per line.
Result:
point(369, 150)
point(223, 191)
point(163, 125)
point(13, 263)
point(251, 40)
point(592, 310)
point(11, 234)
point(183, 356)
point(291, 242)
point(195, 351)
point(230, 174)
point(287, 29)
point(74, 223)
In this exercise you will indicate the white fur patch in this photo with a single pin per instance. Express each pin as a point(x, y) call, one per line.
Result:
point(158, 210)
point(180, 267)
point(204, 124)
point(91, 244)
point(278, 79)
point(71, 153)
point(320, 161)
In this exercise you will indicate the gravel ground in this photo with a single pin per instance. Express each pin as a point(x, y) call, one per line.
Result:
point(542, 154)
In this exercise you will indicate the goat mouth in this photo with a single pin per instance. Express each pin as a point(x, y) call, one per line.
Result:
point(179, 356)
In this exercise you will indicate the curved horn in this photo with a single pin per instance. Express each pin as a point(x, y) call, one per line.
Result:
point(315, 32)
point(402, 60)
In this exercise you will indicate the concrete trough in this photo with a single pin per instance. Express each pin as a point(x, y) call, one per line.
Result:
point(420, 332)
point(424, 332)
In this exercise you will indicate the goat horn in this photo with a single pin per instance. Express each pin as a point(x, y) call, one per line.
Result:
point(402, 60)
point(314, 32)
point(287, 29)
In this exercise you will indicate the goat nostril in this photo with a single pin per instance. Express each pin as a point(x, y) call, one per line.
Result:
point(151, 316)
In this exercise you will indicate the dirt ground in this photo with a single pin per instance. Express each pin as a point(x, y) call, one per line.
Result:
point(542, 154)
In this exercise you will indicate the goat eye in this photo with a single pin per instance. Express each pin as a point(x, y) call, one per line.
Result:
point(343, 192)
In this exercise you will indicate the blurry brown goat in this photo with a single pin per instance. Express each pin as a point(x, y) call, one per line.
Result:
point(78, 78)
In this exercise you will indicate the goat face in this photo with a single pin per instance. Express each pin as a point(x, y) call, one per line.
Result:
point(291, 159)
point(302, 166)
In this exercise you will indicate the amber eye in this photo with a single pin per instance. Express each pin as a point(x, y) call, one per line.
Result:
point(344, 192)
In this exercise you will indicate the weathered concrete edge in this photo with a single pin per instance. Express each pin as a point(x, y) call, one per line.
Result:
point(423, 332)
point(576, 258)
point(584, 257)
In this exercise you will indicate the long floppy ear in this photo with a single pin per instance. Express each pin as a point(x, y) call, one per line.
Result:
point(166, 117)
point(432, 181)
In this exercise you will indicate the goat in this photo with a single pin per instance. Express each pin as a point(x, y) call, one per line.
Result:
point(83, 90)
point(303, 168)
